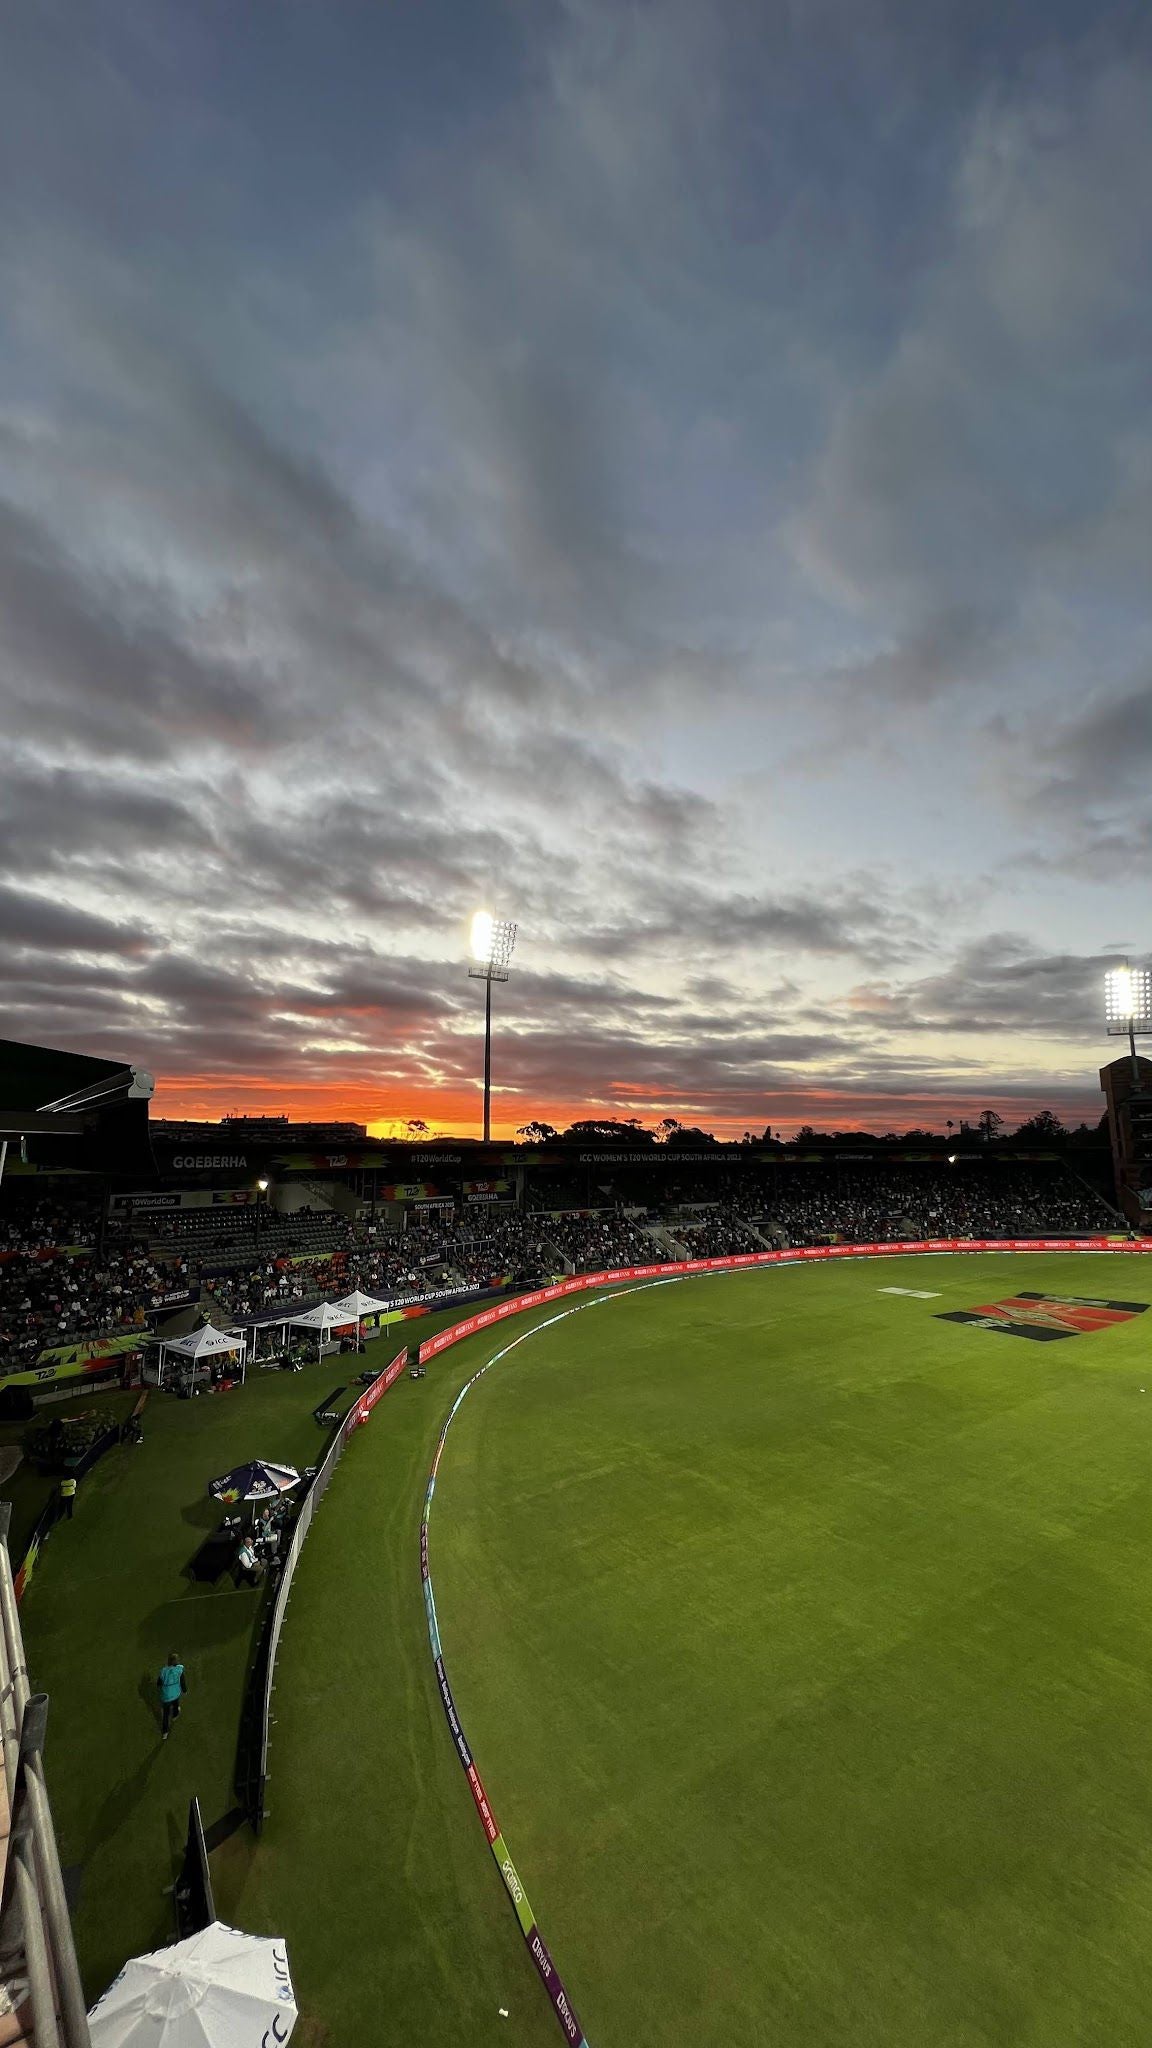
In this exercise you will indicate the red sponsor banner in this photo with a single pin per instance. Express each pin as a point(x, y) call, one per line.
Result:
point(362, 1408)
point(801, 1254)
point(482, 1806)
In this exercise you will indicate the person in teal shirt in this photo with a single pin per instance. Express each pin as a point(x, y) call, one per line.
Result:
point(172, 1685)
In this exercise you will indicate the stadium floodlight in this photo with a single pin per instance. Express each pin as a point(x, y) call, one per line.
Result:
point(492, 941)
point(1128, 1005)
point(261, 1191)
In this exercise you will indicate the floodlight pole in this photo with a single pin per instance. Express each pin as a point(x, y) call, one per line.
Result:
point(487, 1059)
point(492, 943)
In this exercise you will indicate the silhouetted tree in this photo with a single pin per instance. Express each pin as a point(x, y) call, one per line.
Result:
point(537, 1133)
point(1044, 1127)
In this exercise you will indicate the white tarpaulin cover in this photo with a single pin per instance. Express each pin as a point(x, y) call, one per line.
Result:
point(218, 1989)
point(357, 1304)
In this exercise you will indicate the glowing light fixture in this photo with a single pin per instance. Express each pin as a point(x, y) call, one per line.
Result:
point(1128, 999)
point(1128, 1007)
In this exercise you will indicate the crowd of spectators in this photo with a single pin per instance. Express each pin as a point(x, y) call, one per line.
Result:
point(102, 1283)
point(590, 1244)
point(880, 1204)
point(719, 1232)
point(43, 1224)
point(51, 1297)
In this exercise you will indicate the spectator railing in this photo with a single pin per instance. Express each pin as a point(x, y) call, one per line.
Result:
point(36, 1944)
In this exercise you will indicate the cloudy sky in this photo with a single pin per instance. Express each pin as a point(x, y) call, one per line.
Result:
point(677, 472)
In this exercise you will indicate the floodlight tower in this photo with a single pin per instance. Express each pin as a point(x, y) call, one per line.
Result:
point(1128, 1007)
point(492, 941)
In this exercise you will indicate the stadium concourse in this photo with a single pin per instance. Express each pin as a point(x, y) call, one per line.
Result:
point(75, 1268)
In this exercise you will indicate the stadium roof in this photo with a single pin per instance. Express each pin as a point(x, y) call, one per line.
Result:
point(97, 1107)
point(38, 1083)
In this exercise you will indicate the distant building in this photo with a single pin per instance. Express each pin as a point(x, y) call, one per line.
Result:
point(255, 1130)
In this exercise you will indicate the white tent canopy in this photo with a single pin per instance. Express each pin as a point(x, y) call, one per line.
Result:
point(206, 1342)
point(203, 1343)
point(326, 1317)
point(358, 1304)
point(218, 1989)
point(323, 1320)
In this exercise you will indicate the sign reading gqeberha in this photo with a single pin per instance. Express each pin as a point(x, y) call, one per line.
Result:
point(1046, 1316)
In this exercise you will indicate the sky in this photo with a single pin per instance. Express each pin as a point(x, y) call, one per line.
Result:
point(676, 473)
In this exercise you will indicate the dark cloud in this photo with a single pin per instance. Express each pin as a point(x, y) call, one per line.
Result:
point(997, 985)
point(614, 479)
point(44, 926)
point(106, 668)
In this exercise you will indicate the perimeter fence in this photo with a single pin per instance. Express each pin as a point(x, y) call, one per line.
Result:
point(255, 1720)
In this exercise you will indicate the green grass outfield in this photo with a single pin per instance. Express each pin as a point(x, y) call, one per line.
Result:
point(803, 1642)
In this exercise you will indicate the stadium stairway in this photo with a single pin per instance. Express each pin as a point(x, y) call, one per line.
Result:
point(668, 1246)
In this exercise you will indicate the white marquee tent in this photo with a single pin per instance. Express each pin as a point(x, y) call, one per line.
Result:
point(360, 1305)
point(323, 1320)
point(206, 1342)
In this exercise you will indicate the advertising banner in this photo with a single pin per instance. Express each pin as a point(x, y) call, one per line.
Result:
point(181, 1298)
point(93, 1354)
point(362, 1408)
point(513, 1884)
point(797, 1255)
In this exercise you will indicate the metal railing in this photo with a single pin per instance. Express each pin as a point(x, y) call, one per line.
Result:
point(36, 1945)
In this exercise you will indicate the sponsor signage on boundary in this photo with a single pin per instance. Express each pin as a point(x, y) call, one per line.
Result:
point(798, 1255)
point(513, 1884)
point(362, 1408)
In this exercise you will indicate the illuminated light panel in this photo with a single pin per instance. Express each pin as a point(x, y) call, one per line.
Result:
point(1128, 997)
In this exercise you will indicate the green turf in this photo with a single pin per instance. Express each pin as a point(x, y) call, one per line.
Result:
point(108, 1600)
point(30, 1490)
point(802, 1641)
